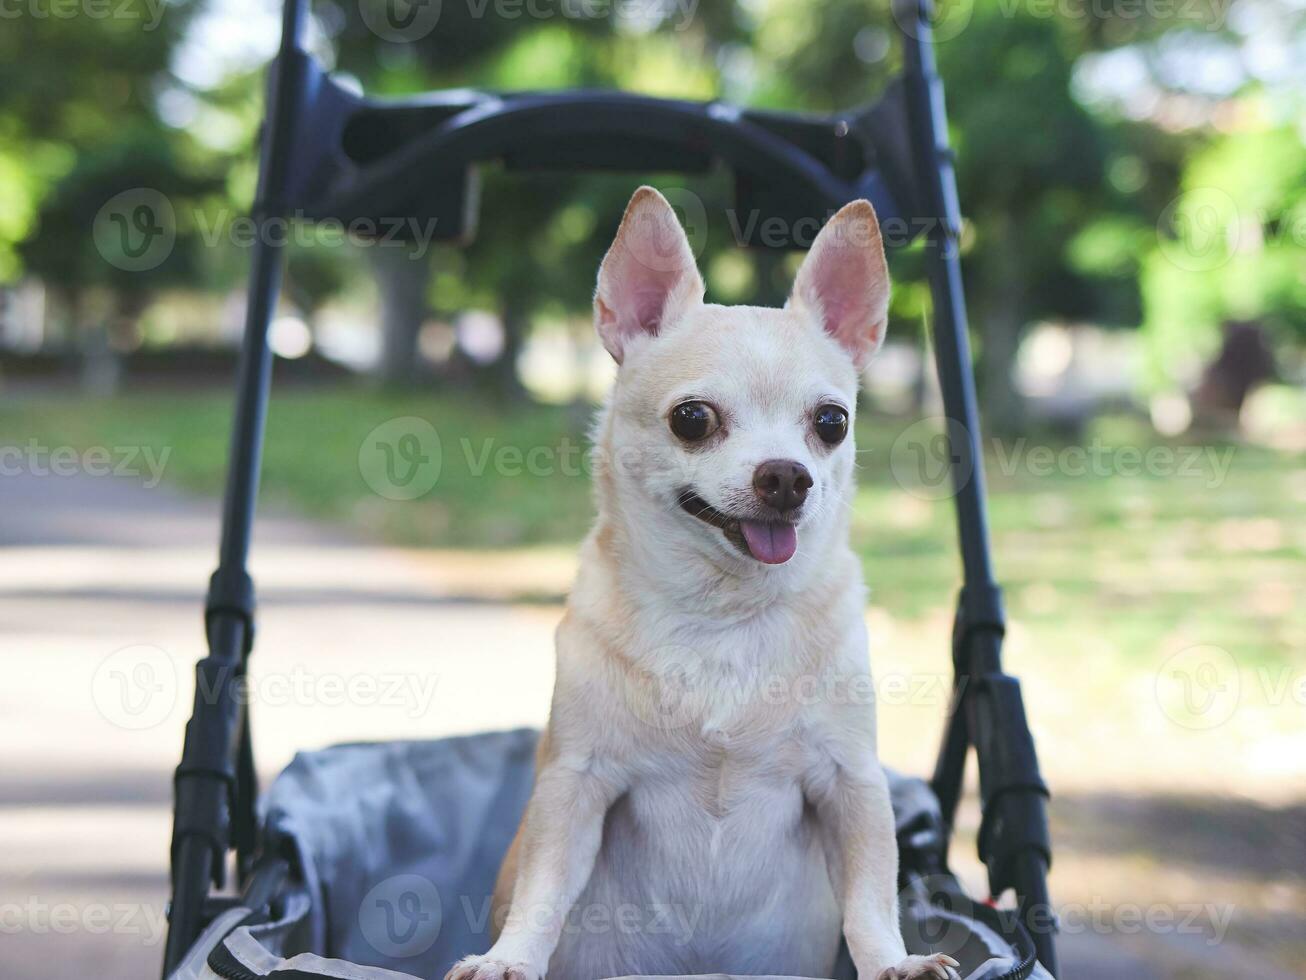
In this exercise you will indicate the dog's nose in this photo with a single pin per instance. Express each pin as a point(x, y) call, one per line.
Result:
point(781, 484)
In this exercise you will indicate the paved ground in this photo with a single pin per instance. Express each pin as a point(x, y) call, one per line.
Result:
point(100, 590)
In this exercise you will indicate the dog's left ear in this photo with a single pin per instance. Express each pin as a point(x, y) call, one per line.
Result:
point(648, 278)
point(844, 281)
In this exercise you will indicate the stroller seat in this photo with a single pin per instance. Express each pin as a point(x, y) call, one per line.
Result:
point(386, 856)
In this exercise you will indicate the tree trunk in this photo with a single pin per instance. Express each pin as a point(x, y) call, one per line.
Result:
point(1001, 404)
point(998, 330)
point(101, 364)
point(502, 374)
point(110, 324)
point(401, 280)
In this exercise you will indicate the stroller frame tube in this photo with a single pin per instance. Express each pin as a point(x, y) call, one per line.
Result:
point(986, 710)
point(215, 784)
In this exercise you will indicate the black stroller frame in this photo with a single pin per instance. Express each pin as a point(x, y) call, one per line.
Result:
point(328, 153)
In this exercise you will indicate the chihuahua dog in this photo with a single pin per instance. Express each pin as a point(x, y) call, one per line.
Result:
point(707, 760)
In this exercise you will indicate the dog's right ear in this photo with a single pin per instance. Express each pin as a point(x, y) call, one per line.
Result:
point(648, 278)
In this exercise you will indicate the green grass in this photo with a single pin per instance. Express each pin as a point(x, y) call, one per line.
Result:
point(1119, 565)
point(312, 458)
point(1107, 564)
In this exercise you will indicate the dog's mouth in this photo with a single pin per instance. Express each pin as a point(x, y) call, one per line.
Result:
point(770, 542)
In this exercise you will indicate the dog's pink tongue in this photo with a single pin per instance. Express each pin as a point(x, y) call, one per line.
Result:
point(770, 543)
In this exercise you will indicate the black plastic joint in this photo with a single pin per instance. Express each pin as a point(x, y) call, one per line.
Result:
point(201, 812)
point(1012, 789)
point(217, 845)
point(231, 593)
point(979, 607)
point(1014, 823)
point(205, 780)
point(1002, 738)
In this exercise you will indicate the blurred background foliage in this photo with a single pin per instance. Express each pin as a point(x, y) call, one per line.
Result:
point(1133, 176)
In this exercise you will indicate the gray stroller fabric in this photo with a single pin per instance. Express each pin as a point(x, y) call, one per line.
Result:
point(398, 845)
point(401, 836)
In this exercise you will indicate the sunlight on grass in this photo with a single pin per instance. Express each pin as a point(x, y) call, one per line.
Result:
point(1117, 565)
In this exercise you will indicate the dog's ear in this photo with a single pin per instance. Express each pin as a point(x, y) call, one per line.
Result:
point(648, 278)
point(844, 281)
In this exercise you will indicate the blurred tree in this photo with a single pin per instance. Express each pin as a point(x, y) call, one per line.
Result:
point(1230, 247)
point(1031, 160)
point(108, 238)
point(1032, 174)
point(316, 272)
point(78, 126)
point(1068, 157)
point(538, 241)
point(1215, 96)
point(401, 279)
point(470, 46)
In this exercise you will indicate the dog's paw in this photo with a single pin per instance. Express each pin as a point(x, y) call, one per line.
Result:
point(485, 968)
point(937, 966)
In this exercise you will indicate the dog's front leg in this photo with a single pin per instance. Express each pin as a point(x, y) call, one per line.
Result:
point(856, 816)
point(557, 844)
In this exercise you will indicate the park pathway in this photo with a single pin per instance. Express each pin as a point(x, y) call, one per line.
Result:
point(101, 586)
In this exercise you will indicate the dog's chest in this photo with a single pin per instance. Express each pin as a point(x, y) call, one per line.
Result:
point(731, 770)
point(720, 833)
point(722, 766)
point(730, 731)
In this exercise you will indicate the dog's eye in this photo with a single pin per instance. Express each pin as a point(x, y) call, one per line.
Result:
point(831, 424)
point(693, 421)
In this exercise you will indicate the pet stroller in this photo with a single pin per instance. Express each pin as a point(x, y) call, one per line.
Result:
point(376, 861)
